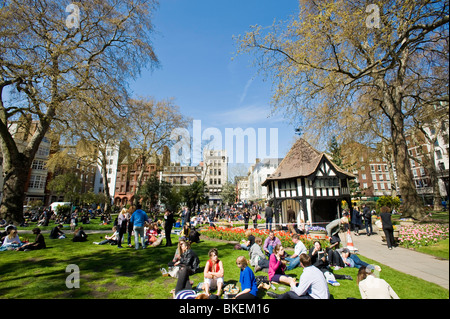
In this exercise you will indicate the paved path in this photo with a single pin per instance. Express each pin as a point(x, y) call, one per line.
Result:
point(405, 260)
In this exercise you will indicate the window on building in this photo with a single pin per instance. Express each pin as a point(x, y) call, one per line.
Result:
point(38, 164)
point(363, 176)
point(438, 154)
point(37, 182)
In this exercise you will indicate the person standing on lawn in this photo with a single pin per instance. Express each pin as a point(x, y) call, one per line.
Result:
point(388, 228)
point(168, 224)
point(122, 223)
point(138, 219)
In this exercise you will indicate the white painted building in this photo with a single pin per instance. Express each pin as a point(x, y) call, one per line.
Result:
point(215, 173)
point(257, 174)
point(112, 160)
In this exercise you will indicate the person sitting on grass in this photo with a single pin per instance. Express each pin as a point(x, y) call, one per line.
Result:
point(57, 233)
point(319, 259)
point(248, 243)
point(257, 257)
point(112, 240)
point(79, 235)
point(372, 287)
point(188, 264)
point(249, 287)
point(11, 241)
point(213, 273)
point(312, 283)
point(277, 265)
point(299, 249)
point(39, 242)
point(270, 243)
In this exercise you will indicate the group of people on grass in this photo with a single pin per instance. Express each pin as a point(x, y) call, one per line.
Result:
point(318, 263)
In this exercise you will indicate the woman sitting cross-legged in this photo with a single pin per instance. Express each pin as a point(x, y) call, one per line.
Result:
point(277, 265)
point(213, 273)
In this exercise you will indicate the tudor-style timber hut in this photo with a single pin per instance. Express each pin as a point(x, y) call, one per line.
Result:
point(310, 184)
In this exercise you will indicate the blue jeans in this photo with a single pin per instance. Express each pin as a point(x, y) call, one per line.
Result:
point(293, 262)
point(269, 223)
point(358, 262)
point(138, 231)
point(368, 225)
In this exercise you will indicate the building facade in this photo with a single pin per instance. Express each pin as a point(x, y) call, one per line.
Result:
point(310, 184)
point(215, 174)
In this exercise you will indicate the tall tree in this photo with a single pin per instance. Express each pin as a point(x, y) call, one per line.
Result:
point(97, 121)
point(150, 124)
point(48, 56)
point(337, 59)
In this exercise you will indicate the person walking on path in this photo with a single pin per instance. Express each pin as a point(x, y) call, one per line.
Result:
point(356, 220)
point(138, 219)
point(269, 216)
point(367, 219)
point(388, 229)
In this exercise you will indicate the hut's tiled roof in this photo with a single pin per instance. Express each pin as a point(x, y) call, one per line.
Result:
point(301, 161)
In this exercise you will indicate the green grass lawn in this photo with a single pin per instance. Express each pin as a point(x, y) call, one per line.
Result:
point(439, 250)
point(107, 272)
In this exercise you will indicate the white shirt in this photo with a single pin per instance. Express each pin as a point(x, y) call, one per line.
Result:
point(300, 248)
point(7, 241)
point(376, 288)
point(313, 283)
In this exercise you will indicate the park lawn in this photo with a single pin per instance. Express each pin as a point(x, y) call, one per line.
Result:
point(439, 250)
point(107, 272)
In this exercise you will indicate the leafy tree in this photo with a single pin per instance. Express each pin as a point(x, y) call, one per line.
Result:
point(194, 195)
point(338, 68)
point(389, 201)
point(154, 191)
point(228, 194)
point(68, 185)
point(150, 124)
point(45, 63)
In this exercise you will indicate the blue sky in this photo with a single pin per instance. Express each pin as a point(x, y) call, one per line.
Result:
point(194, 43)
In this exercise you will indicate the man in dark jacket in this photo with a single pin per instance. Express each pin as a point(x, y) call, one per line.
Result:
point(269, 216)
point(367, 219)
point(385, 214)
point(168, 224)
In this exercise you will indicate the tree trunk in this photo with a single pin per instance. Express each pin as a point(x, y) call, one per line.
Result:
point(15, 177)
point(412, 205)
point(105, 183)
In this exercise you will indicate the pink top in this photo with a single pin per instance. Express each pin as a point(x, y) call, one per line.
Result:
point(275, 266)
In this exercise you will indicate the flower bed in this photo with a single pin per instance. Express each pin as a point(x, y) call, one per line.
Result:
point(422, 235)
point(237, 234)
